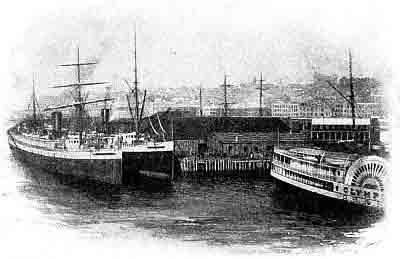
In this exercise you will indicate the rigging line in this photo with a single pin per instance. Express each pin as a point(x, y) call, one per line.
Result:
point(151, 124)
point(130, 107)
point(39, 109)
point(162, 129)
point(159, 122)
point(142, 109)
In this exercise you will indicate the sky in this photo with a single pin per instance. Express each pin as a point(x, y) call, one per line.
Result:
point(189, 44)
point(193, 43)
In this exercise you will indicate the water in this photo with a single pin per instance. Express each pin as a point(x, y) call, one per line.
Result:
point(234, 215)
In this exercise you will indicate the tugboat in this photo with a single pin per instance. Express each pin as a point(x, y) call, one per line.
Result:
point(99, 156)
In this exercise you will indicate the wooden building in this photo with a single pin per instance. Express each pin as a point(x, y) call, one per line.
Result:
point(191, 134)
point(251, 144)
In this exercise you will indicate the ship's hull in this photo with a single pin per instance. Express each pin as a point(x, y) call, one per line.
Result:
point(294, 197)
point(111, 167)
point(154, 167)
point(324, 188)
point(101, 170)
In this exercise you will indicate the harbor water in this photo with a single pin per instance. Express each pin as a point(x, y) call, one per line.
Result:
point(226, 215)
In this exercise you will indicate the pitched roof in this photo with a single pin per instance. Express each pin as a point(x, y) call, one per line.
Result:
point(202, 127)
point(245, 137)
point(258, 137)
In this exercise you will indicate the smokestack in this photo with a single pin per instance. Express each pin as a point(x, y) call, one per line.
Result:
point(105, 119)
point(56, 118)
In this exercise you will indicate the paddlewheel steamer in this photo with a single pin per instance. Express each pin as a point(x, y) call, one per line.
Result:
point(347, 177)
point(352, 176)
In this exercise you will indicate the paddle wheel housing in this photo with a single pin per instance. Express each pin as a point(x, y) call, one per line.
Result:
point(368, 172)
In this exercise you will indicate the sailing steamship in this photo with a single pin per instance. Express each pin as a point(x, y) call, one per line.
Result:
point(120, 158)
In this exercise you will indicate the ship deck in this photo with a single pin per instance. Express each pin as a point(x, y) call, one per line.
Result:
point(315, 155)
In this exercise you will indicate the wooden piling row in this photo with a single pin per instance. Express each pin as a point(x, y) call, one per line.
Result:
point(191, 166)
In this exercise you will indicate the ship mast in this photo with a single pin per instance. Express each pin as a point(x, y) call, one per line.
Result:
point(349, 99)
point(34, 101)
point(225, 101)
point(261, 94)
point(79, 107)
point(79, 102)
point(201, 102)
point(138, 116)
point(352, 102)
point(225, 85)
point(136, 94)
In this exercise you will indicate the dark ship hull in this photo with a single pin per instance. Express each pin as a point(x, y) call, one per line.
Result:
point(116, 167)
point(294, 197)
point(101, 170)
point(150, 167)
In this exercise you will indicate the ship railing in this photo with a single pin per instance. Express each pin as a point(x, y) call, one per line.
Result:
point(84, 150)
point(57, 145)
point(128, 145)
point(310, 171)
point(305, 153)
point(306, 164)
point(37, 142)
point(139, 143)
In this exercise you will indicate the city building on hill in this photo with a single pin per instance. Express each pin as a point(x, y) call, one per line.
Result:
point(364, 87)
point(213, 110)
point(119, 112)
point(326, 110)
point(319, 78)
point(377, 98)
point(282, 109)
point(333, 130)
point(218, 111)
point(249, 111)
point(362, 110)
point(368, 110)
point(315, 110)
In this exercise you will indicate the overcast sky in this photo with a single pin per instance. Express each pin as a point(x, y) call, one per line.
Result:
point(197, 42)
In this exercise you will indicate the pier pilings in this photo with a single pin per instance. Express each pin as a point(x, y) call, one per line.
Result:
point(194, 166)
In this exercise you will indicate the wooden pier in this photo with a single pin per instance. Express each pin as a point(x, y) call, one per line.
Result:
point(194, 166)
